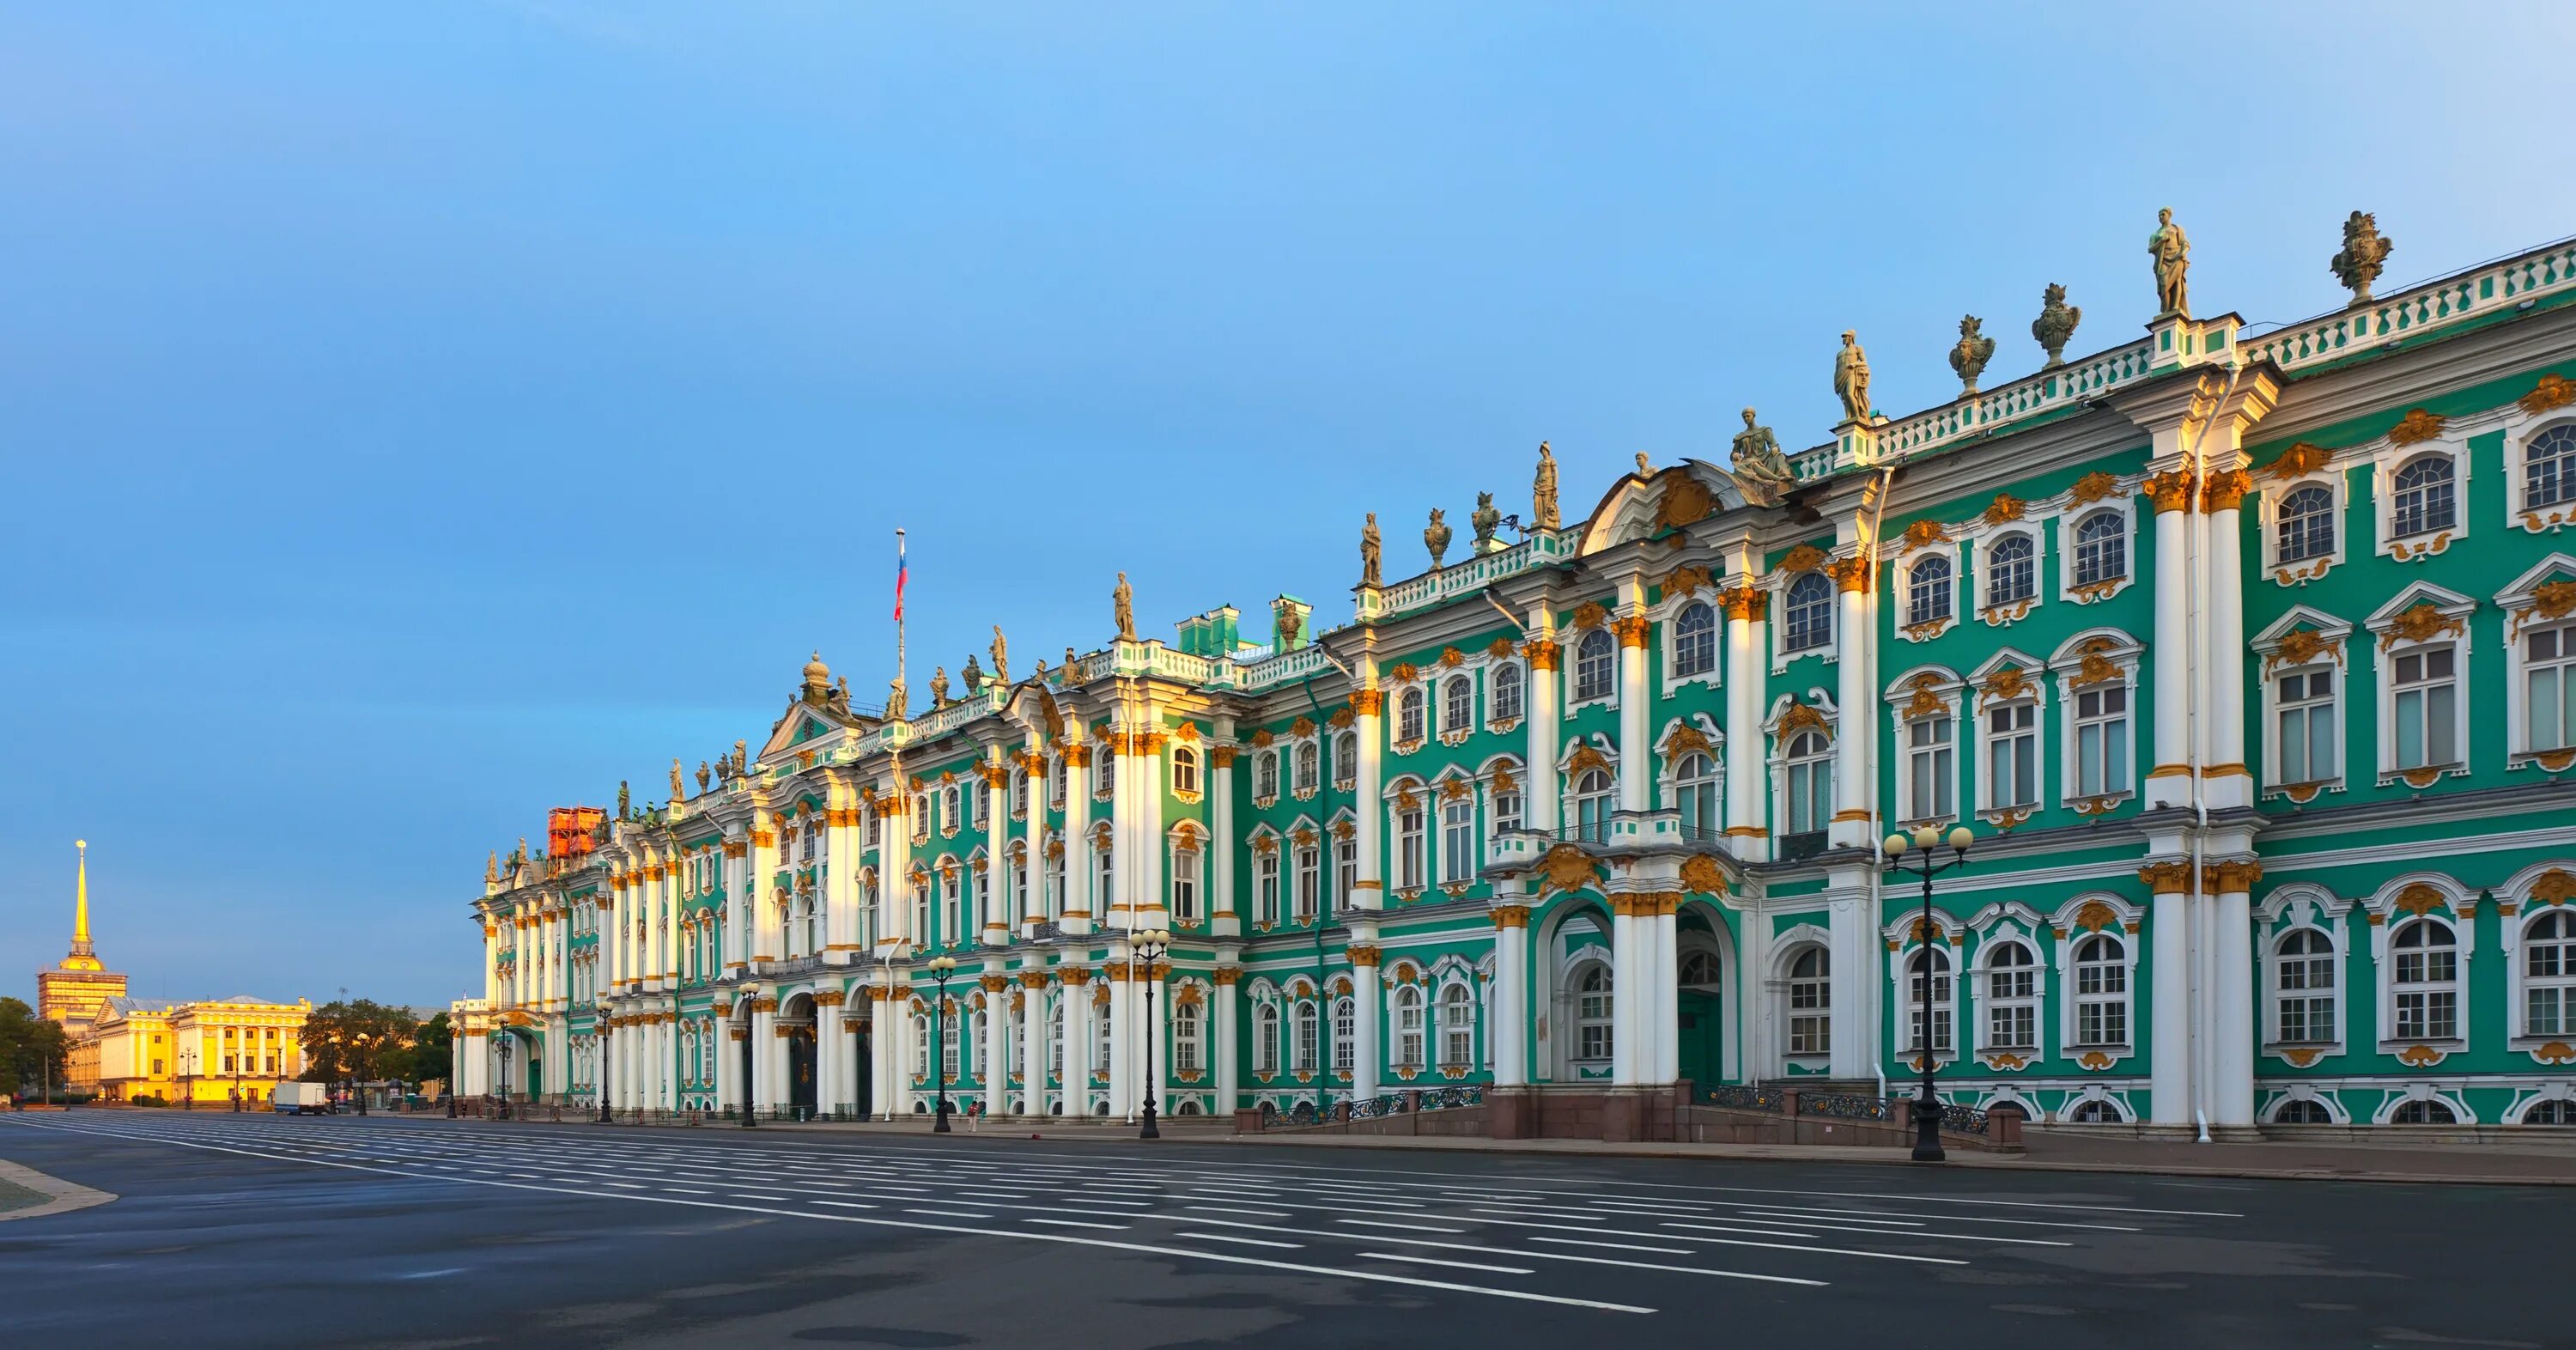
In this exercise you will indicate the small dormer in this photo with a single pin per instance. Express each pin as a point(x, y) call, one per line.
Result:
point(1212, 634)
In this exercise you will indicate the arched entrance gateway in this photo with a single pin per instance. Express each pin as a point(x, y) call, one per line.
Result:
point(796, 1028)
point(862, 1088)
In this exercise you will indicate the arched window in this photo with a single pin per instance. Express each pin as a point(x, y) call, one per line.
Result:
point(1593, 1007)
point(2558, 1111)
point(1700, 969)
point(1408, 717)
point(1346, 758)
point(2304, 528)
point(2302, 1111)
point(2304, 971)
point(1346, 863)
point(1928, 590)
point(2425, 1112)
point(1308, 774)
point(1592, 805)
point(2426, 981)
point(2097, 1111)
point(1458, 704)
point(2101, 548)
point(1933, 962)
point(1265, 775)
point(1695, 794)
point(1185, 882)
point(1506, 695)
point(1457, 1027)
point(950, 816)
point(2012, 998)
point(2549, 471)
point(2423, 497)
point(980, 807)
point(920, 816)
point(1809, 622)
point(1345, 1035)
point(1019, 792)
point(1408, 1026)
point(1305, 1055)
point(1104, 772)
point(920, 933)
point(1810, 782)
point(1458, 839)
point(1412, 847)
point(1265, 1038)
point(2101, 991)
point(2009, 571)
point(1811, 1002)
point(1185, 770)
point(1594, 665)
point(1694, 640)
point(2549, 974)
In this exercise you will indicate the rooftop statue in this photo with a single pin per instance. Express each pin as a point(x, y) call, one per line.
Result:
point(625, 803)
point(1851, 378)
point(2365, 253)
point(1969, 358)
point(894, 700)
point(1435, 537)
point(1543, 492)
point(2055, 324)
point(973, 675)
point(1001, 656)
point(938, 687)
point(2171, 249)
point(741, 755)
point(1485, 520)
point(1369, 552)
point(1760, 469)
point(1123, 600)
point(677, 791)
point(705, 775)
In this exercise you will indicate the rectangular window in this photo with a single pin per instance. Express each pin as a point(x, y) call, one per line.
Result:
point(2101, 741)
point(2549, 687)
point(2424, 707)
point(1185, 885)
point(1345, 1038)
point(1931, 771)
point(1185, 1038)
point(1409, 860)
point(1310, 881)
point(2012, 755)
point(1458, 840)
point(1346, 868)
point(2304, 720)
point(1265, 874)
point(1305, 1038)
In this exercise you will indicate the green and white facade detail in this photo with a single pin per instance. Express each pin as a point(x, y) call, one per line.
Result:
point(2249, 660)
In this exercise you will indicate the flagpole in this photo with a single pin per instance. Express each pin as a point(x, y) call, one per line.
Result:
point(898, 604)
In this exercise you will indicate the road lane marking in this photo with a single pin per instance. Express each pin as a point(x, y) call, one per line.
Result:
point(1460, 1265)
point(1406, 1227)
point(1079, 1223)
point(1614, 1246)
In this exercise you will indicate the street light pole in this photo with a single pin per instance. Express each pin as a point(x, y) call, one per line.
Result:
point(504, 1048)
point(1151, 944)
point(1927, 1105)
point(941, 967)
point(750, 1024)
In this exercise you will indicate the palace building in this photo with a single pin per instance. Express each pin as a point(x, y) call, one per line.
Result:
point(2249, 660)
point(208, 1051)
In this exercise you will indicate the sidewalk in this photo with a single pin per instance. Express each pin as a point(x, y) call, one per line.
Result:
point(29, 1194)
point(2047, 1151)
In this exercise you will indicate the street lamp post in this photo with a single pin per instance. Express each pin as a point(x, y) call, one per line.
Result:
point(504, 1050)
point(1151, 944)
point(600, 1086)
point(187, 1080)
point(750, 1023)
point(1927, 1106)
point(941, 967)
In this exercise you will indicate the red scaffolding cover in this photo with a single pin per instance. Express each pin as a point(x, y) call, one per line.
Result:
point(573, 830)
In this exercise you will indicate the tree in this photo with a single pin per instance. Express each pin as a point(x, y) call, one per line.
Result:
point(352, 1038)
point(33, 1050)
point(424, 1058)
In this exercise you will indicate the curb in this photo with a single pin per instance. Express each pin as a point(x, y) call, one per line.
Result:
point(67, 1196)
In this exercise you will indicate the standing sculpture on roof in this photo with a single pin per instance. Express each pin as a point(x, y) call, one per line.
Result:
point(1543, 492)
point(1369, 551)
point(2171, 249)
point(1760, 469)
point(1001, 656)
point(2055, 324)
point(1123, 600)
point(972, 676)
point(625, 803)
point(677, 790)
point(1851, 378)
point(2365, 252)
point(895, 698)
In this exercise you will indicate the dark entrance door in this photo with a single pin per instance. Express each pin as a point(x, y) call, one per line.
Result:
point(800, 1072)
point(1702, 999)
point(859, 1086)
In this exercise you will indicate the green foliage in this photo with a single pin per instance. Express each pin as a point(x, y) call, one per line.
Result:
point(356, 1038)
point(33, 1050)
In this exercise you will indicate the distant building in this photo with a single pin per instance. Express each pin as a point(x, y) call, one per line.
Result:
point(209, 1050)
point(73, 992)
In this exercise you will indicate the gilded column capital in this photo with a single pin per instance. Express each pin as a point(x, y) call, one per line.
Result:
point(1368, 702)
point(2166, 878)
point(1362, 953)
point(2224, 490)
point(1632, 629)
point(1511, 916)
point(1851, 574)
point(2171, 491)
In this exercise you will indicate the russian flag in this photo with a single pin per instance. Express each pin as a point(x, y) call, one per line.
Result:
point(902, 572)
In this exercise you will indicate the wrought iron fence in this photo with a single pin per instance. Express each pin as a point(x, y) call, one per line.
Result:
point(1454, 1095)
point(1742, 1098)
point(1377, 1108)
point(1847, 1106)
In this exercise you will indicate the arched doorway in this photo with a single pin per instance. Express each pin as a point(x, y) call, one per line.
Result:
point(796, 1024)
point(1575, 974)
point(1702, 1000)
point(863, 1083)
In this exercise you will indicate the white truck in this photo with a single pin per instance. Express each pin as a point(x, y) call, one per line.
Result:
point(301, 1099)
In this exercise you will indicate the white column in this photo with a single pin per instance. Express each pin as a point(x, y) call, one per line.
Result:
point(1636, 736)
point(737, 921)
point(1145, 806)
point(1367, 703)
point(768, 937)
point(2169, 781)
point(1368, 1017)
point(1628, 967)
point(997, 917)
point(491, 963)
point(1855, 738)
point(725, 1050)
point(1544, 708)
point(997, 1044)
point(886, 1035)
point(2236, 1032)
point(1126, 1039)
point(1747, 672)
point(1079, 903)
point(1225, 1007)
point(1079, 1051)
point(1665, 1019)
point(2230, 783)
point(1853, 943)
point(1508, 1020)
point(764, 1034)
point(1033, 766)
point(1225, 917)
point(2169, 1044)
point(840, 882)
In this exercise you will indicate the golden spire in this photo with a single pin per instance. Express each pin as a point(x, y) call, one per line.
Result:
point(81, 957)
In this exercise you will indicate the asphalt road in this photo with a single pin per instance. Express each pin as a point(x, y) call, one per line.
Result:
point(262, 1230)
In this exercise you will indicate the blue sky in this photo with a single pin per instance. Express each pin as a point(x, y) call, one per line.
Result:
point(417, 416)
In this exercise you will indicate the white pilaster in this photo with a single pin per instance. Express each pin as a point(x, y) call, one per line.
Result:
point(1509, 1018)
point(1541, 652)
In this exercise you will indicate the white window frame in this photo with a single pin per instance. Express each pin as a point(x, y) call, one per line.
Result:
point(1792, 985)
point(1673, 785)
point(1402, 1000)
point(2122, 506)
point(1912, 629)
point(2563, 980)
point(2070, 1022)
point(1781, 652)
point(1945, 689)
point(2519, 602)
point(1906, 1004)
point(2335, 655)
point(1500, 721)
point(1266, 880)
point(2068, 666)
point(1188, 770)
point(1575, 698)
point(1781, 765)
point(2517, 470)
point(1267, 1029)
point(1670, 621)
point(2011, 611)
point(1987, 806)
point(2455, 915)
point(2386, 461)
point(1446, 1028)
point(1455, 866)
point(2525, 909)
point(1188, 877)
point(1451, 722)
point(1987, 1003)
point(2338, 485)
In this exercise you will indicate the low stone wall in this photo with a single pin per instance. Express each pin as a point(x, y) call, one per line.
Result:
point(1643, 1115)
